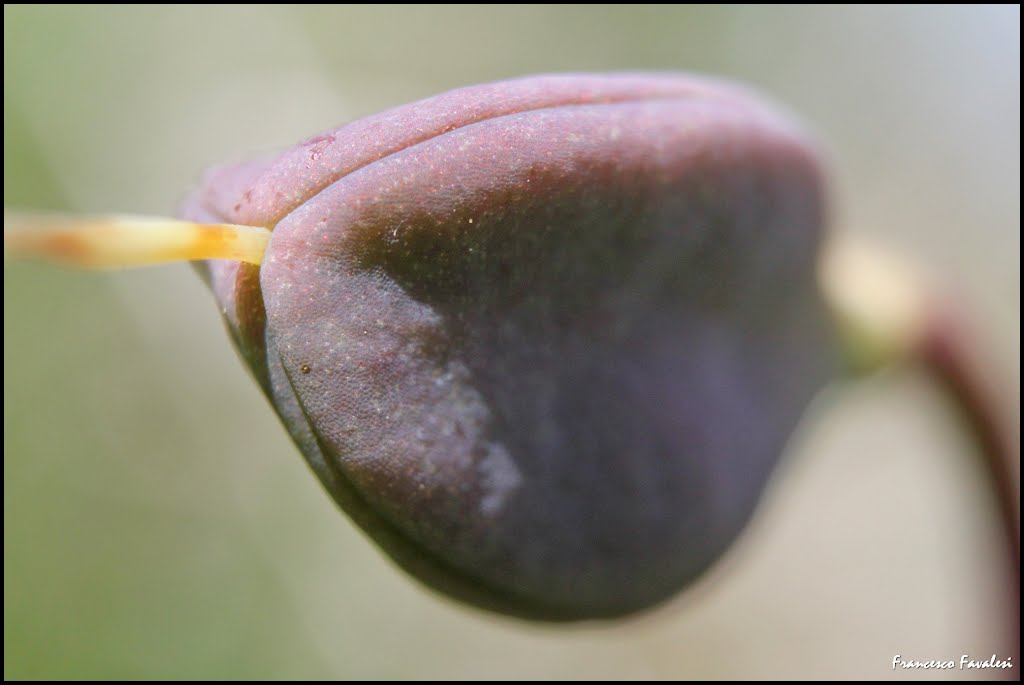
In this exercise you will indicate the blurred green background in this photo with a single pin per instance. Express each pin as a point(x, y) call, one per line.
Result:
point(159, 523)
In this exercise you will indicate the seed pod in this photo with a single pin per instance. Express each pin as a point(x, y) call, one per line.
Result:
point(543, 339)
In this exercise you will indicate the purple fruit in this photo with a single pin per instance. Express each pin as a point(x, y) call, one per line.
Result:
point(543, 339)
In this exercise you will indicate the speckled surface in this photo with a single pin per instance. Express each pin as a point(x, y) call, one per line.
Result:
point(543, 339)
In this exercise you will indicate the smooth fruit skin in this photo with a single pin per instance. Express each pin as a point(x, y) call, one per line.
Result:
point(543, 339)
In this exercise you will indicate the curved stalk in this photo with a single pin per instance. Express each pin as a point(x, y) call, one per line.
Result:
point(888, 312)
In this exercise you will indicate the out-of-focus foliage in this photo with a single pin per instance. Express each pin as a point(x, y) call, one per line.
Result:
point(157, 521)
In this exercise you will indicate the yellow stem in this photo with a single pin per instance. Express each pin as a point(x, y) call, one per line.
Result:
point(106, 242)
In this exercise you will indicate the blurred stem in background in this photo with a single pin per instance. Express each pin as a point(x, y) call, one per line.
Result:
point(891, 313)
